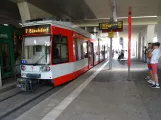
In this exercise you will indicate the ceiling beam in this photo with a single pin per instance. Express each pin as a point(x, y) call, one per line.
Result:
point(135, 21)
point(113, 7)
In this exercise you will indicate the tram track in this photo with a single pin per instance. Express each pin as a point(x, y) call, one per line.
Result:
point(15, 102)
point(5, 98)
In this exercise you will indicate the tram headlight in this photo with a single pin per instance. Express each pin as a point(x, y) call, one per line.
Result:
point(23, 68)
point(45, 68)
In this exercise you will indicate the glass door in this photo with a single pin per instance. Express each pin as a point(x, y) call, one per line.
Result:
point(6, 59)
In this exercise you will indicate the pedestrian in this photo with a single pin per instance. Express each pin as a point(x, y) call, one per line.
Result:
point(145, 52)
point(150, 74)
point(155, 55)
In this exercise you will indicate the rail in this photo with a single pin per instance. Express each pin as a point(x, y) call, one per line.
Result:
point(14, 70)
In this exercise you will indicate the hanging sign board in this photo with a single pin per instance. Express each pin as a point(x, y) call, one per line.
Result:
point(110, 34)
point(111, 26)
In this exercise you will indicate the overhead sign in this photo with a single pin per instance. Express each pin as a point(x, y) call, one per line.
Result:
point(110, 34)
point(111, 26)
point(37, 29)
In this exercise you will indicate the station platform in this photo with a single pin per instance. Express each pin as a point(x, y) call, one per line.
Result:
point(8, 84)
point(102, 94)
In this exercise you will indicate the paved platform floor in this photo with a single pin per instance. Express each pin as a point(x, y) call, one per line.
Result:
point(7, 84)
point(107, 96)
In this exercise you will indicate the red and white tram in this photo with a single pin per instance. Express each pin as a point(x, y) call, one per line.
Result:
point(57, 51)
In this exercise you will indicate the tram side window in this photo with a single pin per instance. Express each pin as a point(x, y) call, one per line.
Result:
point(80, 49)
point(85, 49)
point(59, 49)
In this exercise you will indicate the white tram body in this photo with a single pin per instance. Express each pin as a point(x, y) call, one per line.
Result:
point(57, 51)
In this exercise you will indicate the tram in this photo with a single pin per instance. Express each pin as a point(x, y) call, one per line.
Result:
point(58, 52)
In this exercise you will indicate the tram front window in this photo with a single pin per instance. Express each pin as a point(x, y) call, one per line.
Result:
point(36, 50)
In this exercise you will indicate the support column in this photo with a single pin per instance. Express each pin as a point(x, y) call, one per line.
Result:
point(139, 46)
point(145, 36)
point(85, 28)
point(29, 11)
point(133, 47)
point(150, 33)
point(95, 30)
point(24, 11)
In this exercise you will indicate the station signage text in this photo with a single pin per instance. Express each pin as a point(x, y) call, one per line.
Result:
point(111, 26)
point(38, 29)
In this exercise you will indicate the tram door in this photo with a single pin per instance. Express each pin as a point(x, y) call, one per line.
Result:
point(91, 55)
point(6, 58)
point(104, 49)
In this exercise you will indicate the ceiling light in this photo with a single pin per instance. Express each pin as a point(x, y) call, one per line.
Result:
point(5, 24)
point(139, 17)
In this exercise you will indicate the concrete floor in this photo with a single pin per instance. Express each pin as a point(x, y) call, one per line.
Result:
point(109, 96)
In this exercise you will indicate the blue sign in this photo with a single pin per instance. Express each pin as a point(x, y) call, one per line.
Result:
point(23, 61)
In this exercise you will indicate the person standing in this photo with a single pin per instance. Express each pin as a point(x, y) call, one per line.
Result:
point(155, 55)
point(150, 74)
point(145, 52)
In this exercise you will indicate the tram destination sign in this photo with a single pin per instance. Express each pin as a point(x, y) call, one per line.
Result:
point(111, 26)
point(37, 29)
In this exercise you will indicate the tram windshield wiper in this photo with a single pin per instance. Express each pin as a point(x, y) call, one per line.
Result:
point(39, 59)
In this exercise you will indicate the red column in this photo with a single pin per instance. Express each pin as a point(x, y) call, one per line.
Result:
point(129, 36)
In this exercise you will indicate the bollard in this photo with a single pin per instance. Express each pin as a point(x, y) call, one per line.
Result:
point(0, 78)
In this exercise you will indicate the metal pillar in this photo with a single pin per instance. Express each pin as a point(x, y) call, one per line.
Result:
point(129, 74)
point(85, 28)
point(129, 43)
point(110, 60)
point(0, 78)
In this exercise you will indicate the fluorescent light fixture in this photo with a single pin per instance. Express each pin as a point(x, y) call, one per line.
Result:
point(20, 23)
point(139, 17)
point(5, 24)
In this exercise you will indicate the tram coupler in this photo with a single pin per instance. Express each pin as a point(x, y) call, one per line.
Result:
point(25, 84)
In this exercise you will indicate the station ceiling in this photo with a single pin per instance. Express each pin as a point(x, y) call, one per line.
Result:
point(87, 12)
point(9, 13)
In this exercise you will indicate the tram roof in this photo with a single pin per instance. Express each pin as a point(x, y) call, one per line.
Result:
point(62, 24)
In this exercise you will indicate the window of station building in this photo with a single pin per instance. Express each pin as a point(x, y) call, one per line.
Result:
point(59, 49)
